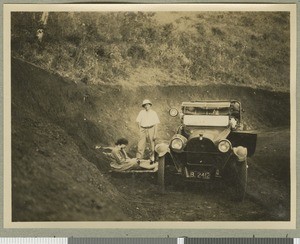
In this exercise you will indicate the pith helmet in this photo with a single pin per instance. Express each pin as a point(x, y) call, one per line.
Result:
point(146, 101)
point(162, 149)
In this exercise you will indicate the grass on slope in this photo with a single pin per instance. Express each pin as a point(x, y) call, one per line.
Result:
point(137, 48)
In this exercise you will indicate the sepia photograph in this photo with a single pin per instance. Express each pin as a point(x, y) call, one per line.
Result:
point(150, 115)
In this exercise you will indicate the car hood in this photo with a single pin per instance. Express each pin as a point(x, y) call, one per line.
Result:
point(215, 134)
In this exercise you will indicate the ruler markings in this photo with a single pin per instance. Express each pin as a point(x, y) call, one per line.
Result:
point(47, 240)
point(239, 241)
point(123, 241)
point(33, 240)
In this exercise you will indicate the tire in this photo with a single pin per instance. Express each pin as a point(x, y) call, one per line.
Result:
point(241, 169)
point(161, 173)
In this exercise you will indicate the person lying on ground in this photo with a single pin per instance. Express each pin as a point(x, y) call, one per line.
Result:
point(121, 161)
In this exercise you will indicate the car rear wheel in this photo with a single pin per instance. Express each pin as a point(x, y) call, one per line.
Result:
point(161, 173)
point(241, 169)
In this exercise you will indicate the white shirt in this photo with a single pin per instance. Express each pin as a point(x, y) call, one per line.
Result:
point(147, 118)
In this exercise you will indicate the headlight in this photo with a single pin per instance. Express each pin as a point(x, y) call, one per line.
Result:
point(224, 146)
point(177, 144)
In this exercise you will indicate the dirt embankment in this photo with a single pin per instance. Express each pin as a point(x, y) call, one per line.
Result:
point(56, 172)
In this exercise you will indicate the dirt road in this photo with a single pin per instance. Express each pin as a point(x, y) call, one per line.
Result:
point(267, 198)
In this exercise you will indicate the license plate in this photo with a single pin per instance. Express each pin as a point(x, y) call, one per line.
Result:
point(200, 175)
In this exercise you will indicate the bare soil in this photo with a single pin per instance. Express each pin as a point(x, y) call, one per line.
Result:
point(57, 174)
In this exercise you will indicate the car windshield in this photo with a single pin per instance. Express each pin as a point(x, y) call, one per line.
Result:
point(191, 110)
point(206, 120)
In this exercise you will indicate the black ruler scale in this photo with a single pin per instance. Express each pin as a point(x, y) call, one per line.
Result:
point(239, 241)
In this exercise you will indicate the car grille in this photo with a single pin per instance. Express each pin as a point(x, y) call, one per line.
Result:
point(202, 152)
point(201, 146)
point(204, 159)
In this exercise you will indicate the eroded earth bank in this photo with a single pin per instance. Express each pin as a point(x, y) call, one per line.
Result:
point(57, 174)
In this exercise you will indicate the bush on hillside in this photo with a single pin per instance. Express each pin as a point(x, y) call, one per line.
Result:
point(242, 48)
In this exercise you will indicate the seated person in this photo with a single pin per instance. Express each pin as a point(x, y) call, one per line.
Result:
point(121, 161)
point(215, 112)
point(233, 123)
point(190, 110)
point(235, 109)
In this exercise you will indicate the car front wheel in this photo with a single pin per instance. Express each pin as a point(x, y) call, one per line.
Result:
point(241, 169)
point(161, 173)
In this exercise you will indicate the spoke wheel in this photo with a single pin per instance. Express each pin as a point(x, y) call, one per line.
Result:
point(241, 169)
point(161, 174)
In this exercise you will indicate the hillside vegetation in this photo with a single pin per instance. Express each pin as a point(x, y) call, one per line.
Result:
point(175, 48)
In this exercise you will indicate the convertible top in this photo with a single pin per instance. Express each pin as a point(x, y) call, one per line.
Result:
point(207, 104)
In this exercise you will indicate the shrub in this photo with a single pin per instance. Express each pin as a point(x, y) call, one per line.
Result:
point(136, 52)
point(217, 31)
point(107, 47)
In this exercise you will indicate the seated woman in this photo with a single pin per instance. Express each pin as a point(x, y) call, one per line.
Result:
point(121, 161)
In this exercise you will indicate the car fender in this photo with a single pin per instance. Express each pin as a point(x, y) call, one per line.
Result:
point(241, 153)
point(161, 149)
point(244, 139)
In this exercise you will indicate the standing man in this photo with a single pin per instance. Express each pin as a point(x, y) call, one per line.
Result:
point(148, 124)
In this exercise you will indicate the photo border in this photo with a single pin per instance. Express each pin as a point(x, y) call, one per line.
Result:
point(7, 212)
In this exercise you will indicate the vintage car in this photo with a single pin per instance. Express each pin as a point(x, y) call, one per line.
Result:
point(209, 144)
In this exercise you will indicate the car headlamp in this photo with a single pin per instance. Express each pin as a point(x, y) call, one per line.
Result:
point(224, 146)
point(177, 144)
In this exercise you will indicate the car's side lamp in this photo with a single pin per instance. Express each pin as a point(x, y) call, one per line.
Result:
point(233, 123)
point(173, 112)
